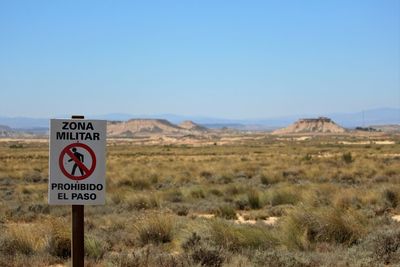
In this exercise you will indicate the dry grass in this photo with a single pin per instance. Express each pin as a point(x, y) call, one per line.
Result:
point(304, 228)
point(154, 228)
point(23, 239)
point(331, 199)
point(237, 237)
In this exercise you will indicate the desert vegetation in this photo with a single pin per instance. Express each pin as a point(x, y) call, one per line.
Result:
point(262, 201)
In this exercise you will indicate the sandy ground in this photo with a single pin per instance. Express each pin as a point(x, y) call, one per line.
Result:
point(268, 221)
point(240, 219)
point(24, 140)
point(386, 142)
point(380, 142)
point(396, 218)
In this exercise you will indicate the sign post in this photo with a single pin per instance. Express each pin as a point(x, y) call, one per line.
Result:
point(77, 171)
point(78, 229)
point(78, 236)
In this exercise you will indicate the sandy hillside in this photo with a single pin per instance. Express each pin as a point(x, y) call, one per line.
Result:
point(190, 125)
point(146, 127)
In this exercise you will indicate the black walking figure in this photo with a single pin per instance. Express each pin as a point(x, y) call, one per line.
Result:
point(79, 156)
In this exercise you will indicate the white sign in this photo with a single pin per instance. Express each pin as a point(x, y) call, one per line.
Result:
point(77, 162)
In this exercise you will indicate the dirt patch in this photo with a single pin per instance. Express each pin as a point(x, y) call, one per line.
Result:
point(378, 142)
point(386, 142)
point(25, 140)
point(396, 218)
point(240, 219)
point(205, 215)
point(269, 221)
point(355, 143)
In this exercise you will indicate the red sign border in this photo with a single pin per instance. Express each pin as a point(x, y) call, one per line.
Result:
point(61, 161)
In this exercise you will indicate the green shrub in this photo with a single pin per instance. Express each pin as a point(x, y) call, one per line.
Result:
point(39, 208)
point(193, 241)
point(265, 180)
point(284, 196)
point(95, 248)
point(207, 257)
point(225, 179)
point(386, 246)
point(237, 237)
point(197, 193)
point(174, 195)
point(347, 157)
point(136, 183)
point(226, 212)
point(282, 258)
point(202, 254)
point(181, 210)
point(117, 198)
point(149, 256)
point(13, 146)
point(253, 198)
point(154, 178)
point(13, 242)
point(241, 204)
point(206, 174)
point(307, 157)
point(232, 190)
point(302, 228)
point(59, 244)
point(391, 197)
point(216, 192)
point(141, 202)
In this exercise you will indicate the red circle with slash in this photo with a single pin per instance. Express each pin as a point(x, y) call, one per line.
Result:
point(86, 171)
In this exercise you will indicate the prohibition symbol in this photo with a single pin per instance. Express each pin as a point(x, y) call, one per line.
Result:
point(77, 160)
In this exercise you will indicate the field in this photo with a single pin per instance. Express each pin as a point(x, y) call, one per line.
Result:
point(262, 201)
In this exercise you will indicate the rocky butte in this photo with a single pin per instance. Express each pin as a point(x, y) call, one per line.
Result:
point(313, 125)
point(152, 127)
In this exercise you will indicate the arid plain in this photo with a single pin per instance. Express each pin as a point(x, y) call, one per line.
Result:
point(216, 199)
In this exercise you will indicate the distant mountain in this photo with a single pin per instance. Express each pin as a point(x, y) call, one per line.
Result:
point(380, 116)
point(7, 132)
point(35, 131)
point(176, 119)
point(113, 117)
point(350, 120)
point(5, 128)
point(24, 122)
point(389, 128)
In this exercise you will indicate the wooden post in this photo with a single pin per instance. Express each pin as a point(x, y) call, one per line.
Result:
point(78, 239)
point(78, 226)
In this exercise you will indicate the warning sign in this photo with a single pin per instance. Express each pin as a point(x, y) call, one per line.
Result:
point(77, 162)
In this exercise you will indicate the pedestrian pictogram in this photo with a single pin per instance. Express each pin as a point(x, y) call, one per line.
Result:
point(80, 158)
point(72, 159)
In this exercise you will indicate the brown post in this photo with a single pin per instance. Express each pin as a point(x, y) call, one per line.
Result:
point(78, 226)
point(78, 240)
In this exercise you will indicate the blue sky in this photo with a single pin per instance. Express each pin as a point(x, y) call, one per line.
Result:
point(232, 59)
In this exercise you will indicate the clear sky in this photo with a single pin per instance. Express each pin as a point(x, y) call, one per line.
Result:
point(232, 59)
